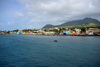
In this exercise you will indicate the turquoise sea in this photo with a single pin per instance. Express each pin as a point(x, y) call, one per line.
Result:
point(42, 51)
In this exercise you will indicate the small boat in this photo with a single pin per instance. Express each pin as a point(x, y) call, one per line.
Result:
point(55, 40)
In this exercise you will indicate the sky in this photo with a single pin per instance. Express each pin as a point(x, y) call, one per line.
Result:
point(34, 14)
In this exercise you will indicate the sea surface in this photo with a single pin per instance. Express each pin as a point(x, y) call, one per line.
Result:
point(42, 51)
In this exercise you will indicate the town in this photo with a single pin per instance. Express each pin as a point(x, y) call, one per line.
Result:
point(75, 31)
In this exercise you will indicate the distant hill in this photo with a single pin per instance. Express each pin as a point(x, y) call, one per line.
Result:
point(48, 26)
point(85, 21)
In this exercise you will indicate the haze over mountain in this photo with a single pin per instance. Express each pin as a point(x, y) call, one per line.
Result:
point(84, 21)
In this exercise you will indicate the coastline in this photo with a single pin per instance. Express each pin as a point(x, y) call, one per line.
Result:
point(53, 35)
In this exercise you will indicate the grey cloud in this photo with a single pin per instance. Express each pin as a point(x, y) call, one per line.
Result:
point(60, 11)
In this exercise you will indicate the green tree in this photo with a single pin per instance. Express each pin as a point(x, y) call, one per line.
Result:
point(83, 29)
point(15, 30)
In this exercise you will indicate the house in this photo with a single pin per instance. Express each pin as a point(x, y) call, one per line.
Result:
point(1, 33)
point(19, 32)
point(49, 33)
point(13, 33)
point(65, 32)
point(24, 33)
point(78, 30)
point(93, 31)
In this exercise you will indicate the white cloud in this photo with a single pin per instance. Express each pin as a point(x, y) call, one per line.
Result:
point(18, 15)
point(59, 11)
point(10, 23)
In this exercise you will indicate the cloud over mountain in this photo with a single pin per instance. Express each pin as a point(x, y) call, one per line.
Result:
point(37, 13)
point(59, 11)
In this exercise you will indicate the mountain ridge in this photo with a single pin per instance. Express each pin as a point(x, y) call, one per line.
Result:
point(84, 21)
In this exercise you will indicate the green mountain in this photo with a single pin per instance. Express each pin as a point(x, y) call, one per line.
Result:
point(83, 22)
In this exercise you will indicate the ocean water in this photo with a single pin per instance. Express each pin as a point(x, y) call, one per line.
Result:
point(42, 51)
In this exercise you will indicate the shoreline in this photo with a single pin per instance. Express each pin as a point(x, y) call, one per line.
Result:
point(53, 35)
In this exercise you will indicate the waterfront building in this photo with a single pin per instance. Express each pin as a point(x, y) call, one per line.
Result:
point(19, 32)
point(49, 33)
point(24, 33)
point(93, 31)
point(78, 30)
point(1, 33)
point(65, 32)
point(13, 33)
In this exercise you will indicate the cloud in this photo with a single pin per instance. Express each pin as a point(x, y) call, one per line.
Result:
point(10, 23)
point(59, 11)
point(18, 15)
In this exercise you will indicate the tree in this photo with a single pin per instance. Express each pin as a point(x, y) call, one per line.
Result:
point(8, 32)
point(83, 29)
point(15, 30)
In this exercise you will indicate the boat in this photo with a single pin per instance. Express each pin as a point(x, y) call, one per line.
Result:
point(55, 40)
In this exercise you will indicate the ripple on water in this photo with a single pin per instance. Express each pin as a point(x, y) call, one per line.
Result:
point(41, 51)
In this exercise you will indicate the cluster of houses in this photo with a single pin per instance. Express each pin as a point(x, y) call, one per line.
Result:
point(67, 31)
point(76, 31)
point(38, 32)
point(1, 32)
point(90, 31)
